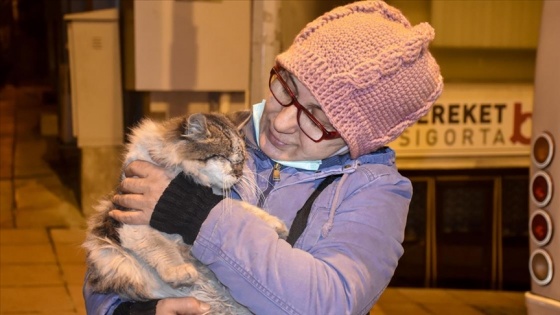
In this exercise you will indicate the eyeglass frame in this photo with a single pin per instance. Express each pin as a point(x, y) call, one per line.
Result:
point(327, 135)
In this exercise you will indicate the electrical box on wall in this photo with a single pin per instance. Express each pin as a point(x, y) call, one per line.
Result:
point(95, 77)
point(189, 46)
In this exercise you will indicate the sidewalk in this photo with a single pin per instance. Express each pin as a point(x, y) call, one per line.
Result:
point(414, 301)
point(42, 265)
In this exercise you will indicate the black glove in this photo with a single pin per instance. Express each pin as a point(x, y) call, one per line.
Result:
point(182, 208)
point(136, 308)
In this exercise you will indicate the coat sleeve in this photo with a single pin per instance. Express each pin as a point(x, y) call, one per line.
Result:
point(343, 272)
point(98, 303)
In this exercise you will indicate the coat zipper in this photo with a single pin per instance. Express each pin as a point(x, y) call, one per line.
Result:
point(276, 172)
point(275, 178)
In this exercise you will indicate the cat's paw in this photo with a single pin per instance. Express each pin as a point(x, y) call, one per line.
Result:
point(277, 224)
point(280, 228)
point(180, 275)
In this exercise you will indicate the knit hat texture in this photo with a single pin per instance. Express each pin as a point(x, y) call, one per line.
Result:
point(369, 69)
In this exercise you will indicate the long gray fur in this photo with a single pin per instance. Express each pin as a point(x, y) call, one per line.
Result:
point(140, 263)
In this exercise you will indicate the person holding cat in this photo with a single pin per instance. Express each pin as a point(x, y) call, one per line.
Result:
point(350, 83)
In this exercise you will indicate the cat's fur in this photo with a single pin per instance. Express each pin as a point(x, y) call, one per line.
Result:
point(140, 263)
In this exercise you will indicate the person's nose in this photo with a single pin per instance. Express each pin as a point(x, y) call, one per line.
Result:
point(286, 120)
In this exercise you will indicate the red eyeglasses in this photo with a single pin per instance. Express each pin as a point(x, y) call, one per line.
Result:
point(315, 123)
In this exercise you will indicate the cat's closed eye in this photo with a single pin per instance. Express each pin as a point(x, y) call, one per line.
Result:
point(214, 157)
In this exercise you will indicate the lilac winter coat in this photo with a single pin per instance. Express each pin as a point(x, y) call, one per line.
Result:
point(341, 263)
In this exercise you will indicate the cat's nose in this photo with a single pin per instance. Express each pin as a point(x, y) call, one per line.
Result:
point(237, 171)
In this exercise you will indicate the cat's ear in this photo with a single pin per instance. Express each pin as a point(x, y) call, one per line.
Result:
point(240, 118)
point(196, 127)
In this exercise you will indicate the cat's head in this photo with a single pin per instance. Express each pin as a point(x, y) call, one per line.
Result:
point(215, 143)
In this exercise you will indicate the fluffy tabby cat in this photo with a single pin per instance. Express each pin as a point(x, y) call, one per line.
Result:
point(140, 263)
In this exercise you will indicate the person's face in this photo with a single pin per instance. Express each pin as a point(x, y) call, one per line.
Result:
point(281, 137)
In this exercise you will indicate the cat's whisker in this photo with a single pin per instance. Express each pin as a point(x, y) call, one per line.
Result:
point(249, 185)
point(252, 186)
point(266, 178)
point(250, 179)
point(226, 192)
point(253, 181)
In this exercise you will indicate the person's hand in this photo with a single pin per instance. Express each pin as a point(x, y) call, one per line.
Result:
point(141, 189)
point(181, 306)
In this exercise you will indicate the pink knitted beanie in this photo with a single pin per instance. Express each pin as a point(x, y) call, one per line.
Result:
point(370, 70)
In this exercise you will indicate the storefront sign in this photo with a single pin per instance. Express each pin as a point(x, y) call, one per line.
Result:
point(473, 120)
